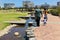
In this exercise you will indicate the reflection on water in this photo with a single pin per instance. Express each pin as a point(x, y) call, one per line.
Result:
point(11, 36)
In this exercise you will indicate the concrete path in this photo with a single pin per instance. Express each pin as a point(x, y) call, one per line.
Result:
point(49, 32)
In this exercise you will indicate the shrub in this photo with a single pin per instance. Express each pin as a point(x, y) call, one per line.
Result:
point(54, 12)
point(58, 9)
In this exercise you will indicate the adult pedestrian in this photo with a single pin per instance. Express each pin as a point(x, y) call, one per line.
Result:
point(38, 15)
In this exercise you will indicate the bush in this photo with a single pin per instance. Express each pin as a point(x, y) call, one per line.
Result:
point(54, 12)
point(58, 9)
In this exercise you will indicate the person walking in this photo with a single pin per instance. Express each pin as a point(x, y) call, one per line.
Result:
point(45, 16)
point(38, 15)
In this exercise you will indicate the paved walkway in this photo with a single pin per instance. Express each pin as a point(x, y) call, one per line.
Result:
point(49, 32)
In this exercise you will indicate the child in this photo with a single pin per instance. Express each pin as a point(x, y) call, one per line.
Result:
point(45, 16)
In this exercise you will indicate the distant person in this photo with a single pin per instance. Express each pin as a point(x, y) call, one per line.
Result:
point(45, 16)
point(38, 15)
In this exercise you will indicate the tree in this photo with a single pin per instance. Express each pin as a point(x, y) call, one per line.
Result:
point(28, 4)
point(58, 9)
point(45, 6)
point(37, 6)
point(0, 7)
point(53, 7)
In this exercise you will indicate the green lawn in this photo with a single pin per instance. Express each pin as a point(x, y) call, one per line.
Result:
point(8, 16)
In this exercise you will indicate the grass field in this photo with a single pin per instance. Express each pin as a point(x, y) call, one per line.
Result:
point(8, 16)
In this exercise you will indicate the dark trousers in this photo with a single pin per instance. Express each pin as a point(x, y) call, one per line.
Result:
point(37, 21)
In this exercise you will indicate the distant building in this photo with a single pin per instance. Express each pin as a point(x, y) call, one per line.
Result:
point(9, 5)
point(28, 4)
point(58, 3)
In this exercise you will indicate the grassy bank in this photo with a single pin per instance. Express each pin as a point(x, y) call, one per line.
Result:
point(9, 16)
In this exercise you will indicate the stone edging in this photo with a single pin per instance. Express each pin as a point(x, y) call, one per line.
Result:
point(6, 30)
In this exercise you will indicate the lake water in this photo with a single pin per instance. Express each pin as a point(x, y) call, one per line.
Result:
point(11, 36)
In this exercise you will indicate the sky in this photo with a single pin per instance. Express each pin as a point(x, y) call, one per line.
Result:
point(18, 3)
